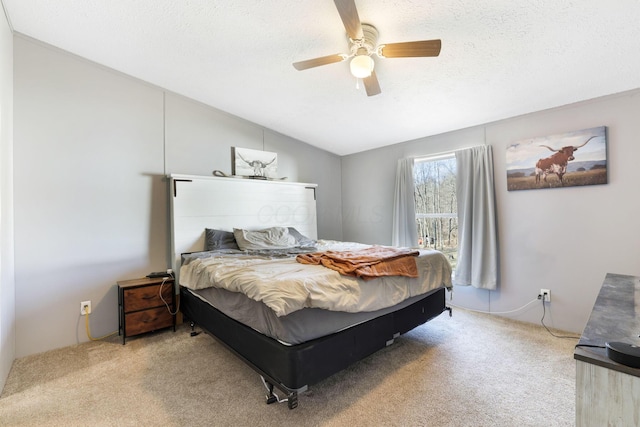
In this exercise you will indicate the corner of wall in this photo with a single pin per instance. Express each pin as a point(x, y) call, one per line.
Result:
point(7, 277)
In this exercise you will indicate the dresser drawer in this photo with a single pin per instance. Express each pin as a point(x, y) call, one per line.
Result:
point(147, 320)
point(147, 296)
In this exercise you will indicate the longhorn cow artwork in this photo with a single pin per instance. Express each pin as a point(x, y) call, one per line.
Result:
point(557, 163)
point(528, 168)
point(254, 163)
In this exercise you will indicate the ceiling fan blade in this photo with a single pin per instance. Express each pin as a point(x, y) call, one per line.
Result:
point(411, 49)
point(316, 62)
point(349, 15)
point(371, 84)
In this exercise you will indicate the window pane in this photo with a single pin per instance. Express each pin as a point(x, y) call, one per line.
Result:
point(436, 205)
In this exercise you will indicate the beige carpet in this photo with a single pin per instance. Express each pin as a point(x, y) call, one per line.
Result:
point(468, 370)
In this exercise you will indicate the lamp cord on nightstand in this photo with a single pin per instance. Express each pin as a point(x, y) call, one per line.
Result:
point(173, 313)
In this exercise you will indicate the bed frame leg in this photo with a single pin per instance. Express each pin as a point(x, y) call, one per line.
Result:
point(450, 310)
point(271, 397)
point(292, 400)
point(193, 329)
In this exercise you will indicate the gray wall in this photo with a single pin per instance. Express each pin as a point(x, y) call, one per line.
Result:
point(564, 240)
point(199, 140)
point(92, 147)
point(7, 282)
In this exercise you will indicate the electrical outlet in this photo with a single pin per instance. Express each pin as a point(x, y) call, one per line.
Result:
point(84, 304)
point(546, 294)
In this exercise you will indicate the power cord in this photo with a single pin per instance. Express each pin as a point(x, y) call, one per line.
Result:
point(544, 312)
point(590, 346)
point(173, 313)
point(86, 324)
point(496, 312)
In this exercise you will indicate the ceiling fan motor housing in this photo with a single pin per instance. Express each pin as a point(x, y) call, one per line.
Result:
point(368, 41)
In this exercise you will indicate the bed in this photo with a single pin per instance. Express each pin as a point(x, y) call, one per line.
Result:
point(296, 340)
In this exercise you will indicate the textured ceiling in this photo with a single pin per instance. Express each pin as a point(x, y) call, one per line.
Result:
point(499, 59)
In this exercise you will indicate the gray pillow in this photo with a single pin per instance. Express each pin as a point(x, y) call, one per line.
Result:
point(268, 238)
point(301, 240)
point(219, 239)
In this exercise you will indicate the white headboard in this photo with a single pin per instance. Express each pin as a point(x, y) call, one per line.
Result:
point(199, 202)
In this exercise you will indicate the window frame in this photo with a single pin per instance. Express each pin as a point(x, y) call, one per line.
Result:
point(452, 250)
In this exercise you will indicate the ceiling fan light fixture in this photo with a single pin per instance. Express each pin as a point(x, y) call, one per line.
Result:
point(361, 66)
point(363, 43)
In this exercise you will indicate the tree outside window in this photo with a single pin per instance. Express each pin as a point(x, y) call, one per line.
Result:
point(436, 205)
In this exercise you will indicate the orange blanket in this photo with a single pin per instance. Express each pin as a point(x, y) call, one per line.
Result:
point(368, 263)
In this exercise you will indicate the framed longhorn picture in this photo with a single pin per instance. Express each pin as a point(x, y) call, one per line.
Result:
point(255, 164)
point(564, 160)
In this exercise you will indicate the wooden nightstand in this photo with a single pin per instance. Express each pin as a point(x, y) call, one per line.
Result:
point(140, 307)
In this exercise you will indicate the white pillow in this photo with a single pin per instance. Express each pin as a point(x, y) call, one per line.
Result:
point(269, 238)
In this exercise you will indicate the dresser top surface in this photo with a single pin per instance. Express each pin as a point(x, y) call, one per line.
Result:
point(615, 317)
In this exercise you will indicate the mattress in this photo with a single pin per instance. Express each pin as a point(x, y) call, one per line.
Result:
point(295, 328)
point(286, 286)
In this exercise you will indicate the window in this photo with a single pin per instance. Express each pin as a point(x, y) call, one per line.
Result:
point(436, 204)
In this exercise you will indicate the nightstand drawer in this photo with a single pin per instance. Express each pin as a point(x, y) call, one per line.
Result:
point(140, 308)
point(147, 320)
point(147, 297)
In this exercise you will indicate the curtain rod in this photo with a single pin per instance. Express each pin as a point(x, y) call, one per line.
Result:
point(443, 154)
point(436, 155)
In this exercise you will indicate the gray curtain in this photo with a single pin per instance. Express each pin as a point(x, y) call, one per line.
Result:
point(404, 233)
point(477, 227)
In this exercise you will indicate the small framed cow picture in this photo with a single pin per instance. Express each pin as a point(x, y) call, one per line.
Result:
point(563, 160)
point(255, 164)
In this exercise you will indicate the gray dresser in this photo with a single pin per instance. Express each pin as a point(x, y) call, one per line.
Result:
point(608, 393)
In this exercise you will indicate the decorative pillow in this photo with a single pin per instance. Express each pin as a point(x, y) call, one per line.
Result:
point(301, 240)
point(269, 238)
point(219, 239)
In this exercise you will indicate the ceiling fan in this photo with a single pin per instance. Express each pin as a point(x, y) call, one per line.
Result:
point(363, 39)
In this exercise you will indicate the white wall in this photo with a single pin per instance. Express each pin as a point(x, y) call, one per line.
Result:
point(199, 141)
point(7, 282)
point(91, 149)
point(565, 239)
